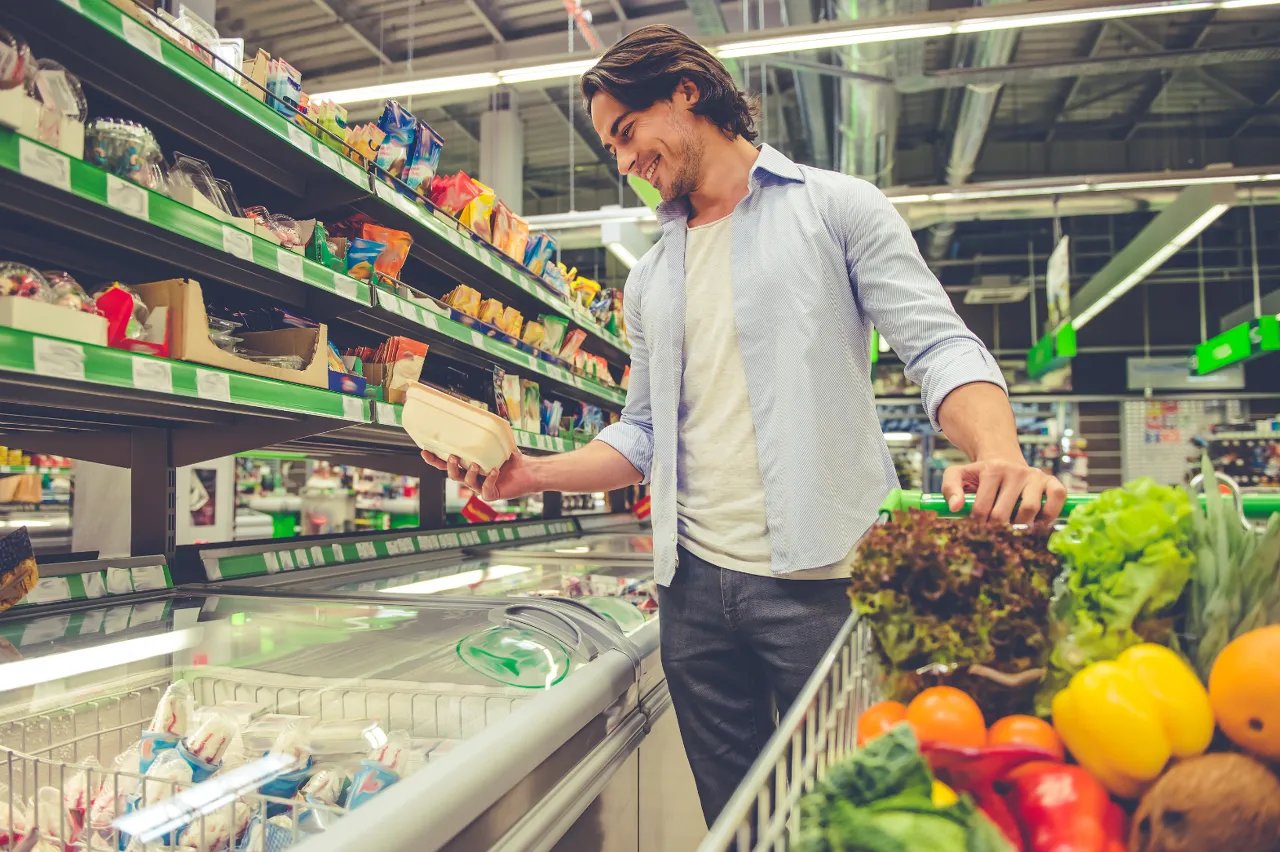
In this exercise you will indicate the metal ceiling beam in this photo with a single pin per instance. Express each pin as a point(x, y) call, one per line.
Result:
point(1099, 38)
point(340, 15)
point(480, 8)
point(579, 124)
point(1244, 125)
point(616, 6)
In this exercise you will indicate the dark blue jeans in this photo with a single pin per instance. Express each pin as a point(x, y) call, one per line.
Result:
point(736, 648)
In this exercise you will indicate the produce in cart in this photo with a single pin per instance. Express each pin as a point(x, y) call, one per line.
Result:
point(957, 602)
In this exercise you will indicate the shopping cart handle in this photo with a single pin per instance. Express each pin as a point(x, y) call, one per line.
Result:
point(1254, 505)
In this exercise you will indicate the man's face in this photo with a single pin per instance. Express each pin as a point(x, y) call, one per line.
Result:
point(659, 144)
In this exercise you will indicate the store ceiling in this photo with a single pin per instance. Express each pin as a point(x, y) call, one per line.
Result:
point(1168, 92)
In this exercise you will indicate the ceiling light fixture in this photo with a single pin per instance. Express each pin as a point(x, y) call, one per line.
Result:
point(620, 252)
point(824, 37)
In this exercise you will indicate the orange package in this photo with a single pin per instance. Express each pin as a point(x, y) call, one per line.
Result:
point(392, 258)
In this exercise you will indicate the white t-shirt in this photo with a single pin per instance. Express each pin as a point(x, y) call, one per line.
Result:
point(719, 490)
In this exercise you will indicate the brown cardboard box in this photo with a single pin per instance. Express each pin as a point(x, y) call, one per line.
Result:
point(394, 379)
point(189, 337)
point(256, 70)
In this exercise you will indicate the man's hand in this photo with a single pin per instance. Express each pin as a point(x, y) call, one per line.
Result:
point(999, 485)
point(513, 479)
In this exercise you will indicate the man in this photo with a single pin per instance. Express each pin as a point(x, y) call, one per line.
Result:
point(750, 409)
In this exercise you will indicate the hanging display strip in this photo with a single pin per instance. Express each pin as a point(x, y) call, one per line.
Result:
point(98, 584)
point(54, 168)
point(73, 625)
point(9, 469)
point(497, 263)
point(430, 318)
point(389, 415)
point(241, 565)
point(178, 61)
point(143, 38)
point(24, 352)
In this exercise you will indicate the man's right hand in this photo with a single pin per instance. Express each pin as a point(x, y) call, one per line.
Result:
point(515, 478)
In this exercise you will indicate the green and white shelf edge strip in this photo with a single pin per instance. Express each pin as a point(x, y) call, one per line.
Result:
point(179, 62)
point(24, 352)
point(240, 565)
point(432, 316)
point(56, 169)
point(98, 584)
point(108, 620)
point(389, 415)
point(11, 469)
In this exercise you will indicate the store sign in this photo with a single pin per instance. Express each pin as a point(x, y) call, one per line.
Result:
point(1058, 285)
point(1052, 352)
point(1170, 374)
point(1242, 343)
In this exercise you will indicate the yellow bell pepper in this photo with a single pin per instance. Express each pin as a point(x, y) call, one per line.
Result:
point(1124, 720)
point(943, 796)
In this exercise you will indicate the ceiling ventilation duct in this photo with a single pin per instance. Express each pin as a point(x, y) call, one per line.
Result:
point(995, 290)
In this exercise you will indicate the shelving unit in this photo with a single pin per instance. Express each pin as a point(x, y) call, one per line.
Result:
point(152, 415)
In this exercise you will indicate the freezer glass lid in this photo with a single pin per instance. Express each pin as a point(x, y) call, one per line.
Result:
point(164, 698)
point(624, 594)
point(593, 546)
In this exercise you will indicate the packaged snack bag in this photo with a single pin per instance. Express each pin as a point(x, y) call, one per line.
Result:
point(534, 333)
point(380, 770)
point(556, 329)
point(424, 158)
point(538, 251)
point(513, 395)
point(465, 299)
point(362, 256)
point(512, 320)
point(452, 193)
point(571, 343)
point(476, 215)
point(491, 311)
point(203, 749)
point(530, 406)
point(399, 127)
point(397, 244)
point(168, 725)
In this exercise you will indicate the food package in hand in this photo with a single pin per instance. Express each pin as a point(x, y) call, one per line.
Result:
point(217, 830)
point(382, 768)
point(204, 748)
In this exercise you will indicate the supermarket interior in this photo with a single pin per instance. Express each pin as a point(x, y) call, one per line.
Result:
point(256, 254)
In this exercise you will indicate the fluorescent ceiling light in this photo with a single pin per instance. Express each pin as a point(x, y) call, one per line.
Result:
point(590, 218)
point(620, 252)
point(977, 193)
point(1150, 265)
point(898, 437)
point(52, 667)
point(582, 548)
point(774, 44)
point(458, 581)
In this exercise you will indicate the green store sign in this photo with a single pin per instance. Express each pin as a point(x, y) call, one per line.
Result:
point(1242, 343)
point(1053, 351)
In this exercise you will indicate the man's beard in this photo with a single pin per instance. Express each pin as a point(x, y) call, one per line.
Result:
point(686, 178)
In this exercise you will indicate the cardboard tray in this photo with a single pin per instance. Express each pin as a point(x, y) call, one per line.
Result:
point(189, 337)
point(53, 320)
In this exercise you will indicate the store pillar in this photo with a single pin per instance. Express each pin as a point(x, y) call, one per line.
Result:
point(502, 149)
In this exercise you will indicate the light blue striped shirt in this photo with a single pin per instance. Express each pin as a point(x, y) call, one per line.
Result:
point(818, 258)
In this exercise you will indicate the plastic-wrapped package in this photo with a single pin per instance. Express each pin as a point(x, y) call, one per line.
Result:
point(452, 193)
point(284, 85)
point(491, 311)
point(274, 834)
point(399, 127)
point(534, 333)
point(327, 785)
point(571, 343)
point(293, 744)
point(552, 411)
point(465, 299)
point(217, 830)
point(512, 322)
point(555, 330)
point(169, 773)
point(47, 814)
point(196, 174)
point(396, 245)
point(77, 791)
point(57, 88)
point(380, 770)
point(553, 276)
point(261, 734)
point(530, 406)
point(502, 226)
point(68, 293)
point(204, 748)
point(538, 251)
point(478, 213)
point(423, 160)
point(17, 279)
point(338, 739)
point(127, 150)
point(170, 723)
point(362, 257)
point(116, 789)
point(15, 59)
point(512, 394)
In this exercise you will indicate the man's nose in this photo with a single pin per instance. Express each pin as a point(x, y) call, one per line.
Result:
point(626, 163)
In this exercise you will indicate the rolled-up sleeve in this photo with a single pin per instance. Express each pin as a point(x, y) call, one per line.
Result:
point(907, 304)
point(633, 434)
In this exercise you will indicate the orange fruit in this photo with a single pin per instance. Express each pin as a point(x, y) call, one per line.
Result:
point(1244, 691)
point(944, 714)
point(879, 718)
point(1027, 731)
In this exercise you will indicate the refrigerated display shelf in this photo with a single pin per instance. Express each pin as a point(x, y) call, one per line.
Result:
point(92, 585)
point(238, 121)
point(72, 363)
point(220, 565)
point(389, 415)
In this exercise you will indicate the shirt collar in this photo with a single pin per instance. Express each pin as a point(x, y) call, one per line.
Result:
point(771, 160)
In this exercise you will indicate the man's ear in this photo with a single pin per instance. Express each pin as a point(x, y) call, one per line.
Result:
point(686, 93)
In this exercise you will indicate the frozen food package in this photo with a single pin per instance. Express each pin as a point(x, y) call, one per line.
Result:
point(555, 330)
point(260, 734)
point(173, 713)
point(327, 785)
point(396, 248)
point(77, 790)
point(217, 830)
point(168, 774)
point(399, 127)
point(491, 311)
point(424, 159)
point(109, 799)
point(204, 748)
point(382, 768)
point(337, 738)
point(47, 813)
point(530, 406)
point(513, 396)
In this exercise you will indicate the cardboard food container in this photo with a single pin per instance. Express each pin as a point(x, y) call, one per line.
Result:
point(53, 320)
point(189, 337)
point(450, 427)
point(36, 121)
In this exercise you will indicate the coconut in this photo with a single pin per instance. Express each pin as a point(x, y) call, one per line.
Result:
point(1213, 802)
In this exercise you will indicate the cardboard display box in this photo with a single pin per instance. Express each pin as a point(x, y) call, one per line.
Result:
point(53, 320)
point(41, 123)
point(189, 337)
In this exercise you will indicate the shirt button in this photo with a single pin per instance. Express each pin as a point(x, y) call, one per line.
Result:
point(673, 536)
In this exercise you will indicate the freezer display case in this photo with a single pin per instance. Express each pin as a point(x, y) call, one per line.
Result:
point(631, 548)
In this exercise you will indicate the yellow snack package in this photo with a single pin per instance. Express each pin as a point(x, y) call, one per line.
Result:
point(478, 212)
point(512, 321)
point(534, 333)
point(465, 299)
point(491, 311)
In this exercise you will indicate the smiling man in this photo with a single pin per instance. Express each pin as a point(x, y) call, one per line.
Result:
point(750, 409)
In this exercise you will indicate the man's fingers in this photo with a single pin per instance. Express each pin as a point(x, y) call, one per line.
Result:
point(1055, 497)
point(489, 492)
point(1011, 485)
point(473, 477)
point(1031, 496)
point(454, 467)
point(434, 460)
point(953, 488)
point(988, 487)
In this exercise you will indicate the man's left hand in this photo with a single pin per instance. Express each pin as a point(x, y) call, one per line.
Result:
point(999, 485)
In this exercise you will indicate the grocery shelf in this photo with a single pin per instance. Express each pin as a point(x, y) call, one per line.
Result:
point(17, 469)
point(1243, 436)
point(129, 217)
point(115, 54)
point(389, 415)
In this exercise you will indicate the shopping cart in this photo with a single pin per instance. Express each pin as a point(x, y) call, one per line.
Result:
point(820, 728)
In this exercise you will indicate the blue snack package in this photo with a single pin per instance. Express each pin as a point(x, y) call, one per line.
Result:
point(361, 256)
point(151, 744)
point(539, 251)
point(424, 159)
point(399, 125)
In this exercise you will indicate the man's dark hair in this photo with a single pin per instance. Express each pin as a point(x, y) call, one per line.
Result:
point(648, 65)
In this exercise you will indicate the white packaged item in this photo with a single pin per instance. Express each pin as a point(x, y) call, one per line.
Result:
point(449, 427)
point(262, 732)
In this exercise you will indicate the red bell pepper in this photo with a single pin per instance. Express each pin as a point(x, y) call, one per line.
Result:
point(1062, 809)
point(975, 771)
point(1116, 826)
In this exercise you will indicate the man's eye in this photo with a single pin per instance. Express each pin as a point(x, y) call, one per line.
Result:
point(626, 132)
